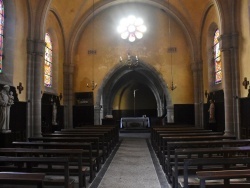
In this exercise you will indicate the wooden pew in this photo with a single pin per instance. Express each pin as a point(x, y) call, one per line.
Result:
point(180, 134)
point(94, 140)
point(109, 140)
point(88, 159)
point(226, 175)
point(200, 157)
point(176, 138)
point(74, 156)
point(105, 146)
point(112, 132)
point(113, 129)
point(30, 161)
point(168, 161)
point(22, 178)
point(156, 138)
point(155, 131)
point(155, 135)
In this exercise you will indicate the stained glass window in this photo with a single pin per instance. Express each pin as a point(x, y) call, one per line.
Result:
point(48, 62)
point(1, 34)
point(217, 58)
point(131, 28)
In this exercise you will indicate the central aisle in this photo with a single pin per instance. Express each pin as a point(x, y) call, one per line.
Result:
point(131, 167)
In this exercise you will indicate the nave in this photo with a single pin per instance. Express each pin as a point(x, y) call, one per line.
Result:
point(132, 164)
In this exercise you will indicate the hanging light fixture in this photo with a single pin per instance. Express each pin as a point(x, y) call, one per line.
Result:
point(131, 61)
point(131, 29)
point(171, 50)
point(92, 52)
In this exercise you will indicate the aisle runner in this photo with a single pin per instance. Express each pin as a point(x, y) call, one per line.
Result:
point(132, 167)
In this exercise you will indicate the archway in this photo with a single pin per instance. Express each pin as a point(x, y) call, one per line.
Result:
point(123, 79)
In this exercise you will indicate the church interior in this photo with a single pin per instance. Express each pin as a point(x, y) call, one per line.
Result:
point(152, 68)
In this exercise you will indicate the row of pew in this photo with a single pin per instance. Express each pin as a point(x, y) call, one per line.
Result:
point(193, 157)
point(58, 158)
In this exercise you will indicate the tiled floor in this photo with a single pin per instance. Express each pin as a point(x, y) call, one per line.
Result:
point(132, 165)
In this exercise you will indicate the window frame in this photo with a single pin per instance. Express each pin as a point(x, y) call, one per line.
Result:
point(48, 61)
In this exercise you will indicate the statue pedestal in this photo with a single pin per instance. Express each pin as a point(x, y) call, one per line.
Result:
point(6, 139)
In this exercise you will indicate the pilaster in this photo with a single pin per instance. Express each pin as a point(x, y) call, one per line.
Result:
point(198, 92)
point(170, 114)
point(229, 51)
point(35, 49)
point(68, 95)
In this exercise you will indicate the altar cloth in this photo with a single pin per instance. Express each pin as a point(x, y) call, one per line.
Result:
point(144, 120)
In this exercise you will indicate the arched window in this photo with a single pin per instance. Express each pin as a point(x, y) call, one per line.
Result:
point(48, 62)
point(1, 34)
point(217, 58)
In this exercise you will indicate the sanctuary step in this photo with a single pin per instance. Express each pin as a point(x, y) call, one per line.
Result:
point(135, 130)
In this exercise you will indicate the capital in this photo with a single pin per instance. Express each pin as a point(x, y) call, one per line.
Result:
point(196, 66)
point(68, 68)
point(228, 41)
point(39, 47)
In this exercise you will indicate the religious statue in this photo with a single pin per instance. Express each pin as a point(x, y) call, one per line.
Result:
point(211, 111)
point(6, 100)
point(54, 114)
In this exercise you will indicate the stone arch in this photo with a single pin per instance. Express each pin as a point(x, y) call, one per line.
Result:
point(35, 50)
point(111, 82)
point(211, 68)
point(101, 6)
point(58, 40)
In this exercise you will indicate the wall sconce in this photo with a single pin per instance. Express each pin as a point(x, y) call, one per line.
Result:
point(92, 86)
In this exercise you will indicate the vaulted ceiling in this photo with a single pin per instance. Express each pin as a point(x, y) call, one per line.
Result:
point(73, 12)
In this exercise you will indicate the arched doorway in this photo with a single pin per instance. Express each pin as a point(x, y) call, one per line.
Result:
point(116, 95)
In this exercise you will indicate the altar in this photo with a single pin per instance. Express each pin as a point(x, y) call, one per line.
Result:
point(126, 121)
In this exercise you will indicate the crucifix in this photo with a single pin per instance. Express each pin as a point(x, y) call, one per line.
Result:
point(20, 87)
point(245, 83)
point(134, 100)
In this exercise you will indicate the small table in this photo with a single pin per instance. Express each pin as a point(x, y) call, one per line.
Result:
point(127, 120)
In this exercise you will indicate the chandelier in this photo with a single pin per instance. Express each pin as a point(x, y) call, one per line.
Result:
point(131, 61)
point(92, 52)
point(171, 50)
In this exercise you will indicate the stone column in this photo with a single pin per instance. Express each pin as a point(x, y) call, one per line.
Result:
point(228, 49)
point(39, 49)
point(198, 97)
point(97, 117)
point(159, 110)
point(236, 83)
point(170, 114)
point(29, 87)
point(68, 95)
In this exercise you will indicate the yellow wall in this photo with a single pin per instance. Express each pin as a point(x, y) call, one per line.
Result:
point(19, 51)
point(152, 49)
point(244, 46)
